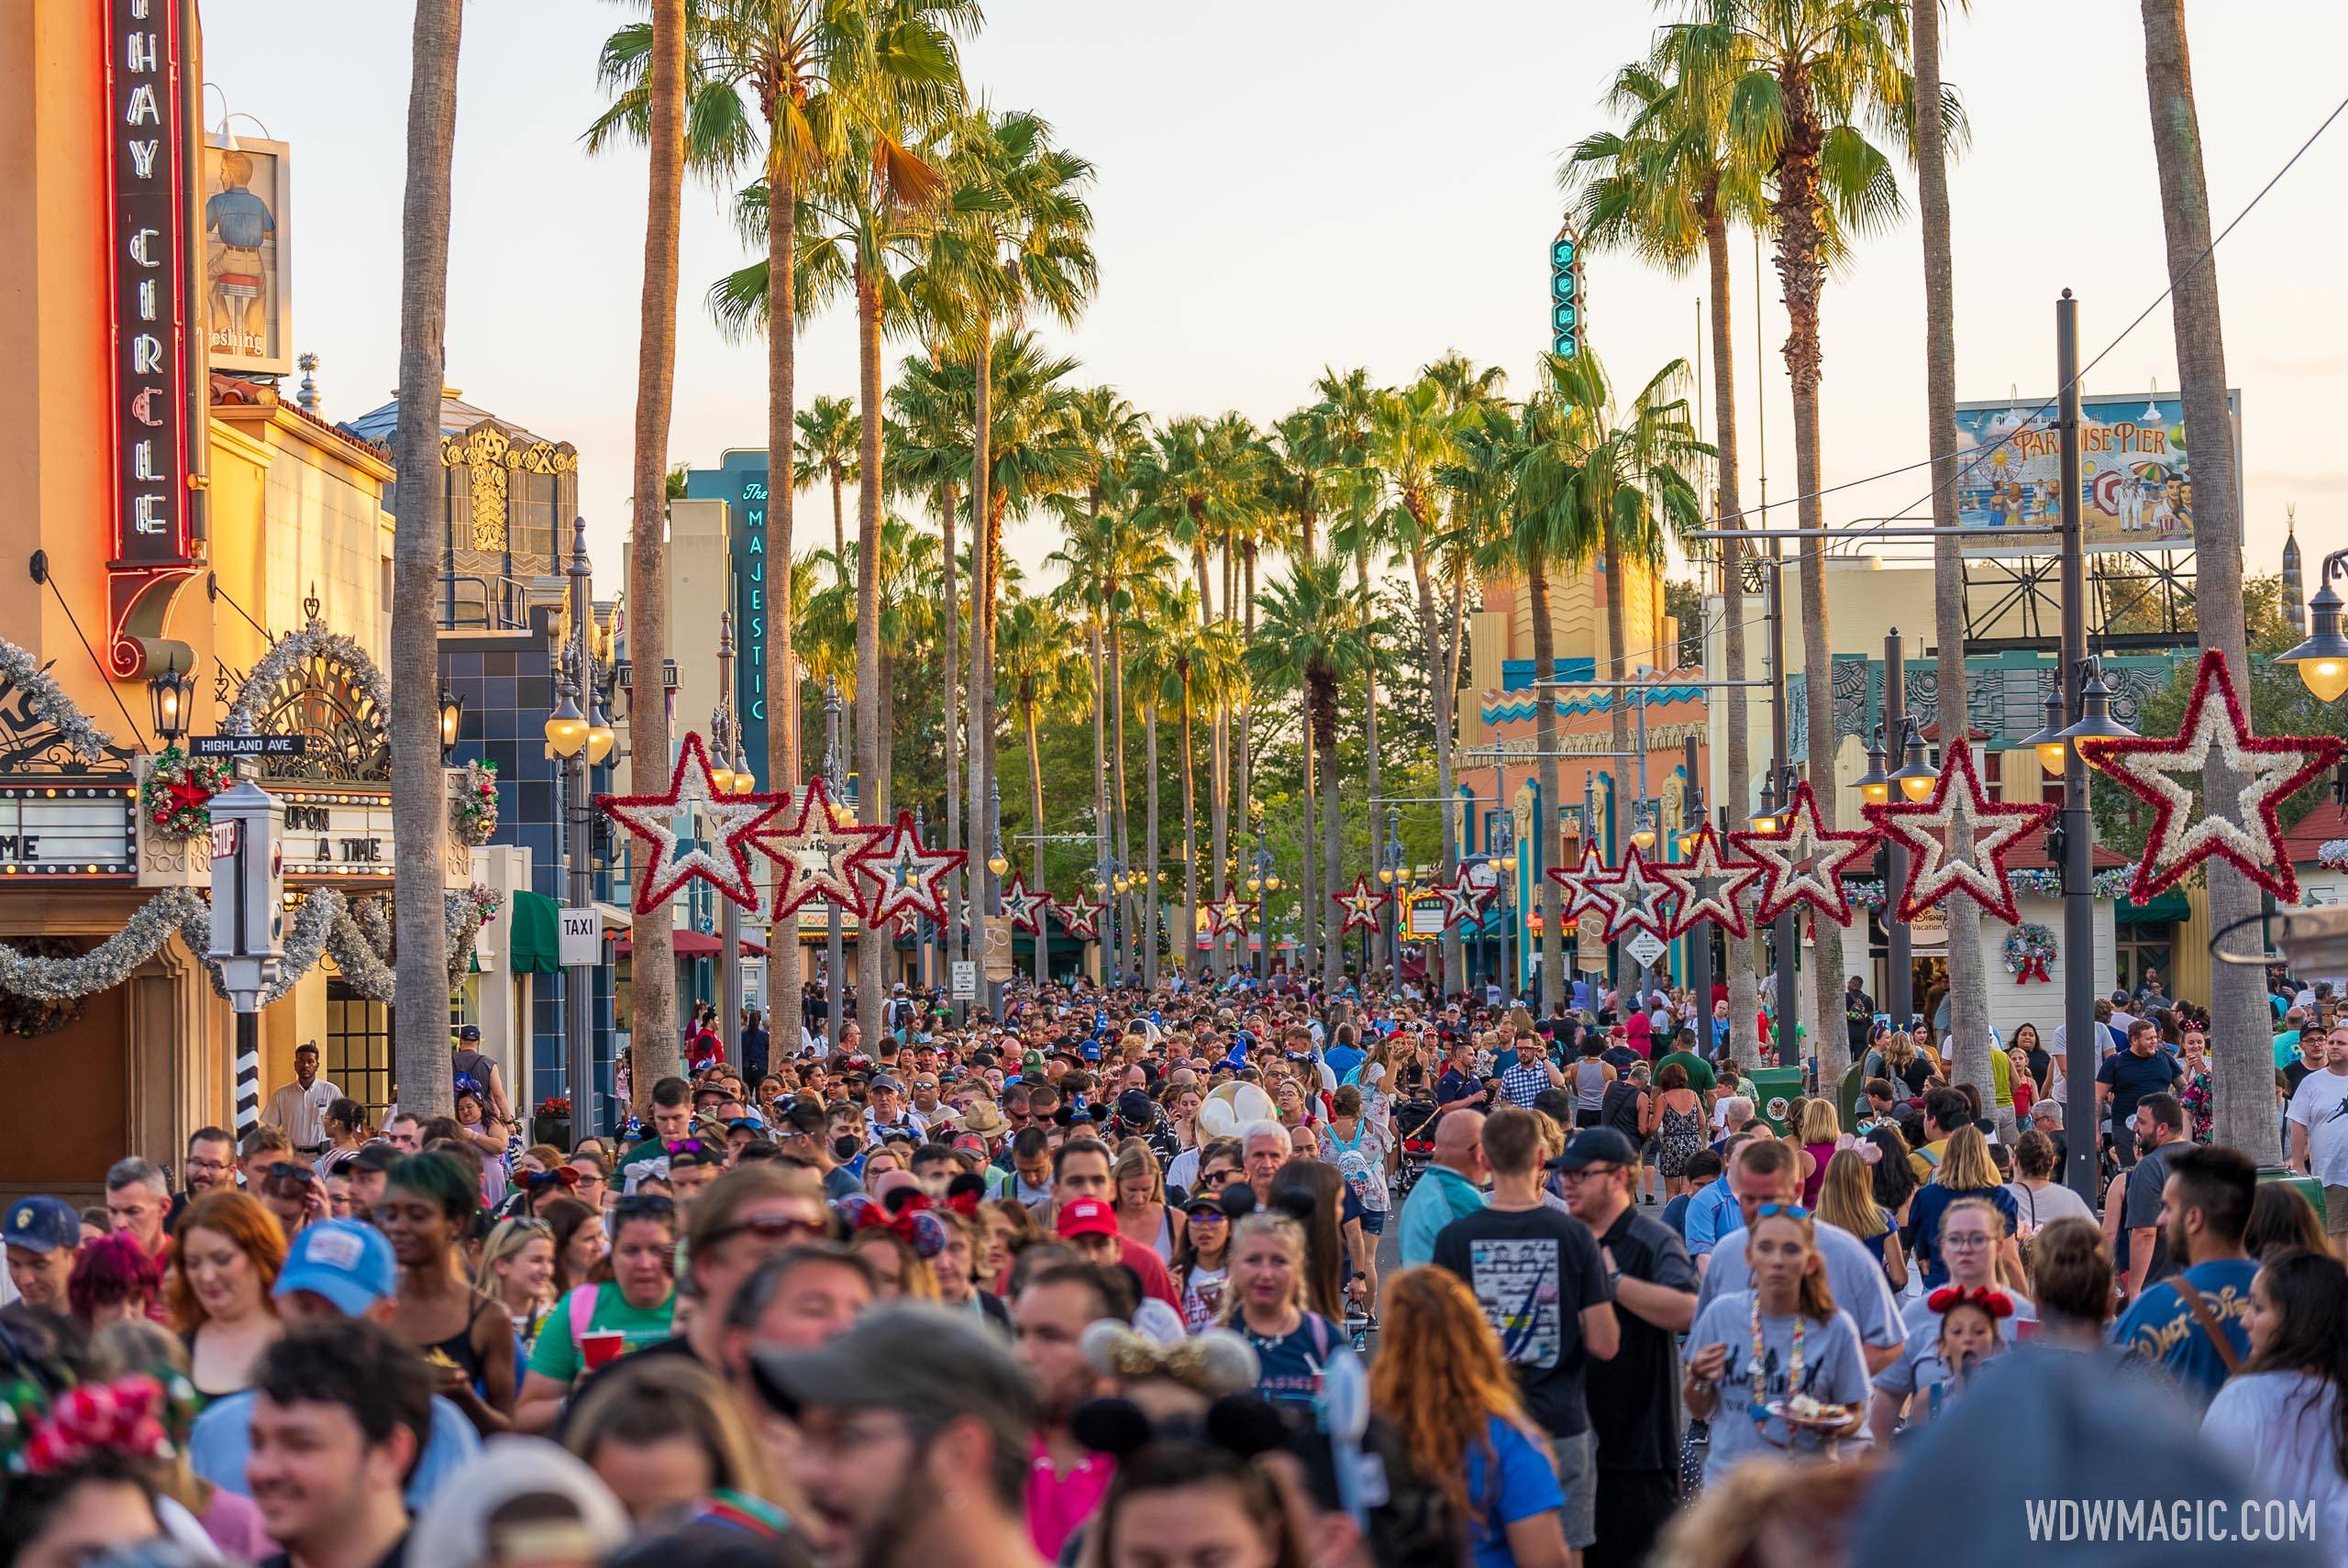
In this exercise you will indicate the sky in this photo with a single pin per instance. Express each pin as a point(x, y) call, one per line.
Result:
point(1286, 185)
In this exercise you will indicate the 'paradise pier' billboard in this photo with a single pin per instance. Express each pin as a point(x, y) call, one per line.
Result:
point(2135, 472)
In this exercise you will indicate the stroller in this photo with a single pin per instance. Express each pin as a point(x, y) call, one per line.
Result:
point(1414, 1127)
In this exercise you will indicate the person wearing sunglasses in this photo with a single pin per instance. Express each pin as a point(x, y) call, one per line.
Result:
point(632, 1306)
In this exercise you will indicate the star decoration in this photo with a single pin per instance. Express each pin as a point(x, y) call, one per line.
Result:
point(812, 856)
point(1231, 916)
point(906, 876)
point(1023, 908)
point(1803, 861)
point(1463, 901)
point(186, 794)
point(1631, 896)
point(1361, 903)
point(1081, 916)
point(1706, 863)
point(2187, 832)
point(1927, 829)
point(1581, 882)
point(734, 821)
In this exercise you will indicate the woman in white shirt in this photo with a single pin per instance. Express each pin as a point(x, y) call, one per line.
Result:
point(2284, 1413)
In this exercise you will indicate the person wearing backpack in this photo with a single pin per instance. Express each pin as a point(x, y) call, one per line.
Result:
point(2191, 1324)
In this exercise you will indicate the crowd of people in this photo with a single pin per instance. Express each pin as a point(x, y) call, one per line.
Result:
point(1098, 1281)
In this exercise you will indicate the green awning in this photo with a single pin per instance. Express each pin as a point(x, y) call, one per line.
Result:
point(2172, 905)
point(531, 928)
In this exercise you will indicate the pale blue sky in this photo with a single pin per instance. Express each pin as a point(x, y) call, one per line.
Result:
point(1291, 184)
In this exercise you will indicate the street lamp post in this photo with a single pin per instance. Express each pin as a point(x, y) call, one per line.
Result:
point(834, 780)
point(1501, 842)
point(2079, 1030)
point(1700, 937)
point(572, 731)
point(1783, 933)
point(1899, 994)
point(996, 866)
point(729, 777)
point(1394, 873)
point(1263, 884)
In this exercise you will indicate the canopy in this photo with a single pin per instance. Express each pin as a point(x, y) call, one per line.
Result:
point(531, 928)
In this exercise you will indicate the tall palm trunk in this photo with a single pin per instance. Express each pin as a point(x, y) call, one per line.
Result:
point(1618, 710)
point(1244, 748)
point(1035, 818)
point(1371, 792)
point(870, 678)
point(782, 372)
point(656, 1046)
point(1545, 730)
point(1803, 279)
point(1125, 822)
point(949, 638)
point(1218, 819)
point(1187, 944)
point(1431, 643)
point(1097, 647)
point(419, 549)
point(2243, 1082)
point(1968, 982)
point(1744, 958)
point(839, 514)
point(982, 589)
point(1315, 896)
point(1151, 924)
point(1321, 725)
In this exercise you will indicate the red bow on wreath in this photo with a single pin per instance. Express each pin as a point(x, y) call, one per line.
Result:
point(2033, 967)
point(1997, 1303)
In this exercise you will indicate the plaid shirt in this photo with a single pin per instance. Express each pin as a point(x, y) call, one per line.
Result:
point(1522, 1085)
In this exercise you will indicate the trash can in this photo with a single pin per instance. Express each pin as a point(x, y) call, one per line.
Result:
point(1773, 1092)
point(2307, 1186)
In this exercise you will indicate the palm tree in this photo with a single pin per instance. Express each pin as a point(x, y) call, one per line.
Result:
point(1294, 456)
point(2245, 1090)
point(1016, 239)
point(1344, 413)
point(1801, 77)
point(1033, 642)
point(1969, 981)
point(419, 553)
point(1667, 188)
point(1164, 615)
point(826, 452)
point(1317, 624)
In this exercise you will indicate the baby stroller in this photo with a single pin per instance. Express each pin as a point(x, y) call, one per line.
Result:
point(1415, 1128)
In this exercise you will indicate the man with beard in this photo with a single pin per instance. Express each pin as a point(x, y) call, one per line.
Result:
point(914, 1431)
point(210, 1165)
point(341, 1411)
point(2177, 1323)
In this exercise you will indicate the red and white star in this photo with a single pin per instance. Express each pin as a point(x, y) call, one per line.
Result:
point(733, 821)
point(1927, 830)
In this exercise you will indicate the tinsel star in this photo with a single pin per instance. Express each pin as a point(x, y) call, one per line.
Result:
point(734, 821)
point(2186, 829)
point(905, 875)
point(1361, 903)
point(1803, 861)
point(811, 857)
point(1023, 908)
point(1231, 916)
point(1927, 830)
point(1632, 895)
point(1081, 916)
point(1581, 882)
point(1730, 878)
point(186, 794)
point(1463, 901)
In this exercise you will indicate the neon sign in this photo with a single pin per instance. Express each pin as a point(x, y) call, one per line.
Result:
point(147, 279)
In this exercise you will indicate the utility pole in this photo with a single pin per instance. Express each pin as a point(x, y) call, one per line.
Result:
point(2079, 1030)
point(1784, 932)
point(1700, 936)
point(834, 780)
point(1899, 993)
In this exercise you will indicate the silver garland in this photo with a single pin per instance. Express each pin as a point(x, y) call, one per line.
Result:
point(286, 656)
point(111, 961)
point(46, 700)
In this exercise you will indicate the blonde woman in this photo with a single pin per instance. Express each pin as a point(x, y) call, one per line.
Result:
point(1817, 1132)
point(1139, 1187)
point(1964, 1171)
point(670, 1439)
point(1847, 1201)
point(517, 1268)
point(1264, 1302)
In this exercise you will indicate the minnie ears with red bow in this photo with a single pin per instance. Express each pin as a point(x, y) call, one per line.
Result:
point(1997, 1303)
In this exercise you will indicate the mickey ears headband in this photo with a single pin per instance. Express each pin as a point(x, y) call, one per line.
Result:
point(1997, 1303)
point(1239, 1201)
point(1242, 1425)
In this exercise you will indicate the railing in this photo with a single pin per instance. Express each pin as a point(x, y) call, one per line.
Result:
point(477, 601)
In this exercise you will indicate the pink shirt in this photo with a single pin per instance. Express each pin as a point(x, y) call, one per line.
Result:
point(1056, 1504)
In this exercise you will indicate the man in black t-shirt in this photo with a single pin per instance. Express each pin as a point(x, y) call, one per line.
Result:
point(2126, 1077)
point(1633, 1398)
point(1539, 1279)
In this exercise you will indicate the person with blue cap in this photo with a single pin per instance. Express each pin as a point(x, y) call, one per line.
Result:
point(334, 1269)
point(41, 1233)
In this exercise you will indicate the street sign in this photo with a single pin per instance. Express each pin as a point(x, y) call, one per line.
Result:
point(580, 939)
point(1000, 965)
point(1427, 917)
point(965, 979)
point(248, 745)
point(1646, 947)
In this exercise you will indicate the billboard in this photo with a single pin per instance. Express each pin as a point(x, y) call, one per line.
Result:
point(248, 279)
point(2135, 472)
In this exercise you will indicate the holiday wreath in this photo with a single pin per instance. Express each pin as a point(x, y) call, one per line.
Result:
point(2029, 947)
point(177, 795)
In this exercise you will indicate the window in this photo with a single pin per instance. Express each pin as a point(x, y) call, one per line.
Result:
point(2144, 947)
point(359, 1048)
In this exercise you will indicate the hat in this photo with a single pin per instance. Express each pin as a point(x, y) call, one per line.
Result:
point(469, 1032)
point(375, 1158)
point(1135, 1109)
point(1087, 1217)
point(884, 1081)
point(1596, 1146)
point(985, 1118)
point(42, 1225)
point(521, 1494)
point(971, 1143)
point(348, 1263)
point(1202, 1201)
point(918, 1359)
point(1032, 1061)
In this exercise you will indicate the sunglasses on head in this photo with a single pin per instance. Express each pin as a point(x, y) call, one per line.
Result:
point(639, 1205)
point(1781, 1210)
point(774, 1228)
point(287, 1170)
